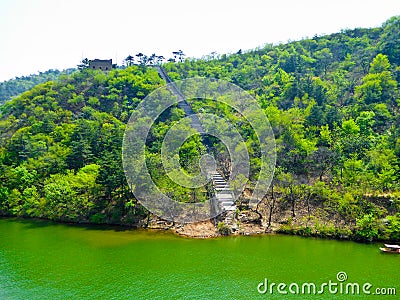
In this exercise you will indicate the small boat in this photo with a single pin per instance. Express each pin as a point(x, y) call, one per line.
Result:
point(391, 249)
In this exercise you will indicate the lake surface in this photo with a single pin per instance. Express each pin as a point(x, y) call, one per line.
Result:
point(45, 260)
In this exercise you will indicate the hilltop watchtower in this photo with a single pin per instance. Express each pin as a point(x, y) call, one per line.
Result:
point(100, 64)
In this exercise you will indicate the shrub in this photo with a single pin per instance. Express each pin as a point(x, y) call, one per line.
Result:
point(224, 229)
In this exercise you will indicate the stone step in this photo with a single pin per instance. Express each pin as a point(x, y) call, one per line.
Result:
point(227, 204)
point(224, 198)
point(230, 208)
point(226, 201)
point(224, 195)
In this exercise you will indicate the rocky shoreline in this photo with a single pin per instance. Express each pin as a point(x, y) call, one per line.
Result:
point(250, 222)
point(206, 229)
point(228, 224)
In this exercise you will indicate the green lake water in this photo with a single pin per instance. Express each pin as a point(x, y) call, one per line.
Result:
point(45, 260)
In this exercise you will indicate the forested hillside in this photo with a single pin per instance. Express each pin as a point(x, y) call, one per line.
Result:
point(18, 85)
point(61, 146)
point(332, 101)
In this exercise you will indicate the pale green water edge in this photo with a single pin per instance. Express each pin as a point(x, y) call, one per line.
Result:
point(44, 260)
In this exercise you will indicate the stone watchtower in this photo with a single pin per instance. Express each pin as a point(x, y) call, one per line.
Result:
point(100, 64)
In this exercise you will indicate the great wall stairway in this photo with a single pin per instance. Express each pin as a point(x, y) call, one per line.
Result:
point(221, 189)
point(222, 192)
point(182, 104)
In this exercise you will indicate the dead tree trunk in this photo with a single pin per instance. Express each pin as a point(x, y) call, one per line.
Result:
point(292, 201)
point(272, 205)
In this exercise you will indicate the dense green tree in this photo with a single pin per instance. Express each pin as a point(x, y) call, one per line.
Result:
point(129, 60)
point(379, 85)
point(389, 40)
point(18, 85)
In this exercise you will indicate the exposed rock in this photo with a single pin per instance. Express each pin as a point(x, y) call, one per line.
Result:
point(248, 216)
point(205, 229)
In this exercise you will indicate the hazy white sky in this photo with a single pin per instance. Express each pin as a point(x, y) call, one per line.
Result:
point(37, 35)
